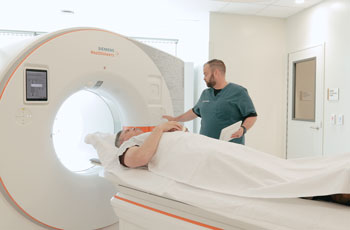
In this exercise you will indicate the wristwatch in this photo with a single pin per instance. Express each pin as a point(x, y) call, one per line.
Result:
point(244, 129)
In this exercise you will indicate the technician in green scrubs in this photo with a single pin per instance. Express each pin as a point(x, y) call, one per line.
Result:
point(220, 105)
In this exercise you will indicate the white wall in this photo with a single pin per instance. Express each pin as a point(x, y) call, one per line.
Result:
point(254, 51)
point(328, 23)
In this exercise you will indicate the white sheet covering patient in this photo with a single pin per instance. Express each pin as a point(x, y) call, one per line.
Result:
point(233, 169)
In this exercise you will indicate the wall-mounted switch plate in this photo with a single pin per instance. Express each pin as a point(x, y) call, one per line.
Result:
point(340, 119)
point(333, 119)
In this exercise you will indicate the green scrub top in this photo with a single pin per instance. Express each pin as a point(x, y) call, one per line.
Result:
point(230, 105)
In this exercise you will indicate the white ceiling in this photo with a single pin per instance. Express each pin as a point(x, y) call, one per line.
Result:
point(188, 8)
point(134, 13)
point(269, 8)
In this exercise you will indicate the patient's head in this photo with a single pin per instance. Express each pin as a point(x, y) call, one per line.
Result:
point(125, 135)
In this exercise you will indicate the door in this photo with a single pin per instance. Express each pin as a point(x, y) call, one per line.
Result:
point(305, 102)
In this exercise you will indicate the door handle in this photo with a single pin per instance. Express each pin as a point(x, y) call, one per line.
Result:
point(315, 127)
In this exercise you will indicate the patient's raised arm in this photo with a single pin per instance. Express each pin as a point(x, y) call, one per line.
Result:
point(138, 156)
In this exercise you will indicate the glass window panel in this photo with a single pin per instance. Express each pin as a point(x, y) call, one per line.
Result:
point(304, 90)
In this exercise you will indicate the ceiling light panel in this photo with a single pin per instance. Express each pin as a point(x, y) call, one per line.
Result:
point(247, 1)
point(292, 3)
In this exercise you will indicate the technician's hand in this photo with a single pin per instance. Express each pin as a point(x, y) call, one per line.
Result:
point(170, 126)
point(238, 133)
point(169, 118)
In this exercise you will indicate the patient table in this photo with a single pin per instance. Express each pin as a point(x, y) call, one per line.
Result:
point(148, 201)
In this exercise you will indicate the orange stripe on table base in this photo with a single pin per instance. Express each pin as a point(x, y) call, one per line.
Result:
point(143, 128)
point(168, 214)
point(13, 200)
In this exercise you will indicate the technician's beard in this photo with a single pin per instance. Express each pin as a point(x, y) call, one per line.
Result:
point(211, 83)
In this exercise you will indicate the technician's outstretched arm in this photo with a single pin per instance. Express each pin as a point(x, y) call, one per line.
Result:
point(188, 116)
point(140, 155)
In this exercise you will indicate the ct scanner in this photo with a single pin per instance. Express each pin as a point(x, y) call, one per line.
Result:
point(36, 77)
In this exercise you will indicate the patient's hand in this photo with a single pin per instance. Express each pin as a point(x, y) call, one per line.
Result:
point(184, 129)
point(170, 126)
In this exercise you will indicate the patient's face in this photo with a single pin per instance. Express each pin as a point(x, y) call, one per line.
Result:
point(129, 133)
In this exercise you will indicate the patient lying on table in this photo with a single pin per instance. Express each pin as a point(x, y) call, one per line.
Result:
point(229, 168)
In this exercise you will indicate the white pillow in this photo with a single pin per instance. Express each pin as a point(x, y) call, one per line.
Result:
point(105, 148)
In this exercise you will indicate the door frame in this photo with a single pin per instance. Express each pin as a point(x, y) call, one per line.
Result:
point(319, 95)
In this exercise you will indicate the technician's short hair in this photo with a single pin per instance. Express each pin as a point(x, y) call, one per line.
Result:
point(217, 64)
point(117, 139)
